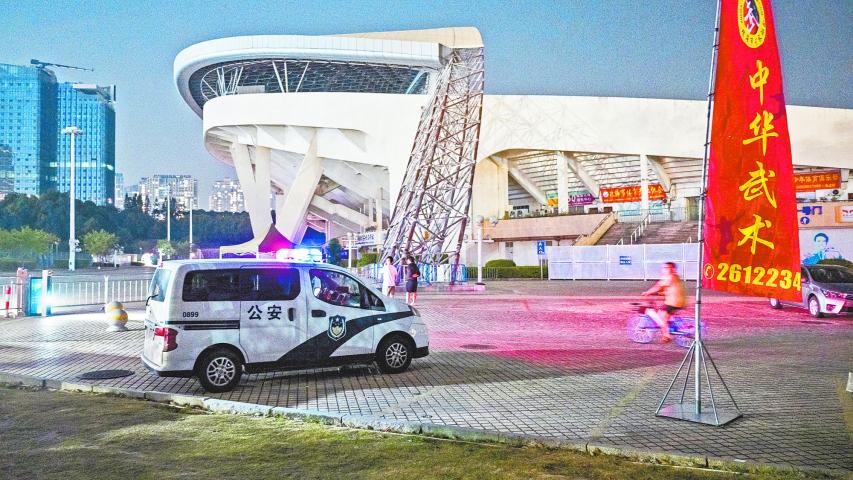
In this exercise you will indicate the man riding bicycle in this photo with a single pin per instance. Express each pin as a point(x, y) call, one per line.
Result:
point(672, 289)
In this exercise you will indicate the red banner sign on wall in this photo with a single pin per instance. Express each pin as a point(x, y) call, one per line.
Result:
point(632, 193)
point(811, 181)
point(751, 236)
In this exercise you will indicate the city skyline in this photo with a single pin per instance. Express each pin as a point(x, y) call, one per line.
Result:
point(668, 56)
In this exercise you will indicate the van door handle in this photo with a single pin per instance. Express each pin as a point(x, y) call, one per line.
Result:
point(291, 312)
point(318, 313)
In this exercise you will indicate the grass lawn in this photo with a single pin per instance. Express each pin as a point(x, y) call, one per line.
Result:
point(47, 434)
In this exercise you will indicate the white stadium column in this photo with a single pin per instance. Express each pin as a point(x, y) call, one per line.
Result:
point(290, 218)
point(502, 191)
point(377, 202)
point(562, 183)
point(259, 215)
point(263, 187)
point(644, 183)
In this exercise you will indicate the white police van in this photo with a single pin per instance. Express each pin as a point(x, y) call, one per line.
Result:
point(213, 319)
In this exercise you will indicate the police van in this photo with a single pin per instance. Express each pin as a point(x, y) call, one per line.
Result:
point(214, 319)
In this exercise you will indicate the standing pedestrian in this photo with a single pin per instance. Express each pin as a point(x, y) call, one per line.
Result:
point(412, 274)
point(389, 277)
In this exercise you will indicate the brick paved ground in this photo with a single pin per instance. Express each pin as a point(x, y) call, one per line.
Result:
point(549, 365)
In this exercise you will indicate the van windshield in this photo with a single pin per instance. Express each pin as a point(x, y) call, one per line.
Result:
point(159, 285)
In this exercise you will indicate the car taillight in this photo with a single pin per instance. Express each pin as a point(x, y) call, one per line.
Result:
point(170, 337)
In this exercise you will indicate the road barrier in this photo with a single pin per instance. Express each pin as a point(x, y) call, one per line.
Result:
point(621, 262)
point(13, 299)
point(72, 292)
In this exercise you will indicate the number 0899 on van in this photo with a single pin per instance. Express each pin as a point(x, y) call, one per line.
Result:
point(215, 319)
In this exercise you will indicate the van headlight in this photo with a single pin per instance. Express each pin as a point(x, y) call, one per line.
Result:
point(415, 311)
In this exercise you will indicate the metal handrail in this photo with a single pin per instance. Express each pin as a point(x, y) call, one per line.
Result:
point(608, 217)
point(641, 228)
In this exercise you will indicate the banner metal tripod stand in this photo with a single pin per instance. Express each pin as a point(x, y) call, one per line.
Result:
point(698, 356)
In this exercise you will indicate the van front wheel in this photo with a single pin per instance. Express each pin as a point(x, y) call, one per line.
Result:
point(219, 370)
point(394, 354)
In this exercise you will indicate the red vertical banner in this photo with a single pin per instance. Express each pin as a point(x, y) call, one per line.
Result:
point(751, 243)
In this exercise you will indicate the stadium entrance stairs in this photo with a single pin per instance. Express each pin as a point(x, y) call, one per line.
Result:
point(663, 232)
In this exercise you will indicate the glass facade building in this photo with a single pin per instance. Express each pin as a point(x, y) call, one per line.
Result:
point(90, 108)
point(28, 129)
point(119, 196)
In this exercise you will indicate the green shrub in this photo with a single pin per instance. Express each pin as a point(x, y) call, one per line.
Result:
point(11, 264)
point(367, 259)
point(499, 263)
point(507, 272)
point(79, 262)
point(836, 261)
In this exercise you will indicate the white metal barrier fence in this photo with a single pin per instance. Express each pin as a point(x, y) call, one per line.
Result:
point(621, 262)
point(76, 292)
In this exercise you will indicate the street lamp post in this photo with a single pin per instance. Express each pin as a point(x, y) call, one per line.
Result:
point(169, 214)
point(72, 195)
point(479, 222)
point(191, 229)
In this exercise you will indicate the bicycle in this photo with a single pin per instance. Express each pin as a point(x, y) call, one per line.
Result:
point(642, 327)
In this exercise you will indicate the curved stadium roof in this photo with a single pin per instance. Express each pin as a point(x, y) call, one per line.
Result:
point(292, 63)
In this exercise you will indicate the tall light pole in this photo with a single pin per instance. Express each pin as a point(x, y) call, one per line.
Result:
point(191, 228)
point(479, 222)
point(72, 195)
point(169, 213)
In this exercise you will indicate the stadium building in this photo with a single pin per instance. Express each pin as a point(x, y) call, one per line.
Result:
point(326, 124)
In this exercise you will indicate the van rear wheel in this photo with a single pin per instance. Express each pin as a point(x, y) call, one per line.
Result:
point(394, 354)
point(219, 370)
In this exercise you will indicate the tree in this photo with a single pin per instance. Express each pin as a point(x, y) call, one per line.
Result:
point(367, 259)
point(333, 251)
point(25, 243)
point(165, 248)
point(100, 243)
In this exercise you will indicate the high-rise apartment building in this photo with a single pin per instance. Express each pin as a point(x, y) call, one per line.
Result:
point(28, 129)
point(119, 194)
point(227, 196)
point(90, 108)
point(157, 188)
point(34, 155)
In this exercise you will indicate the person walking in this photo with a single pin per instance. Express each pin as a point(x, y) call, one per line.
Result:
point(412, 273)
point(389, 277)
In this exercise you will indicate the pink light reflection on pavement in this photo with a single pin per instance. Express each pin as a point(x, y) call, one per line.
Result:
point(587, 334)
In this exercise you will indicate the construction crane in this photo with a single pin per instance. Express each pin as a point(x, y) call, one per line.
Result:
point(40, 64)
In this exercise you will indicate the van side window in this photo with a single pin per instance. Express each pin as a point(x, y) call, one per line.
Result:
point(372, 301)
point(159, 284)
point(336, 288)
point(260, 284)
point(212, 286)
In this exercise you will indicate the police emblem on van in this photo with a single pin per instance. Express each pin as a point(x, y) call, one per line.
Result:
point(337, 327)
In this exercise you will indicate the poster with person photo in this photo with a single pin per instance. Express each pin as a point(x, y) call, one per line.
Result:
point(827, 244)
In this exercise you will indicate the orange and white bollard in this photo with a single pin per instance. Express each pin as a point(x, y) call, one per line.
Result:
point(7, 299)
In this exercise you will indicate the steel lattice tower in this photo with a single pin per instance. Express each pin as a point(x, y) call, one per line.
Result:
point(431, 212)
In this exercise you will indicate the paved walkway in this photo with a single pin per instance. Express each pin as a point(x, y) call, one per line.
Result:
point(547, 365)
